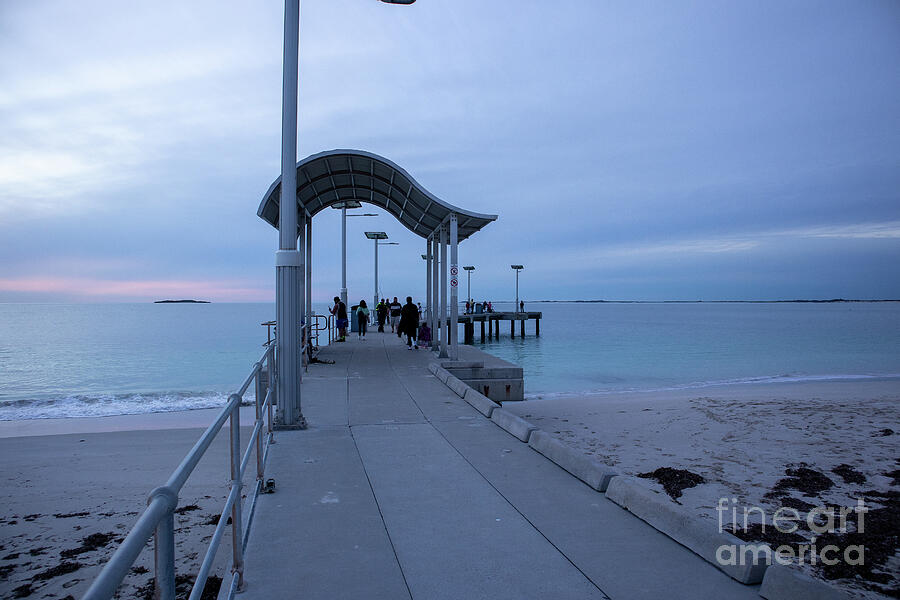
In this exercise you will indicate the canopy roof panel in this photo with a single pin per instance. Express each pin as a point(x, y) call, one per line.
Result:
point(336, 176)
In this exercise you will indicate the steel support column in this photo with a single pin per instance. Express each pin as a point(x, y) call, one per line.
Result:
point(454, 288)
point(288, 266)
point(376, 272)
point(344, 254)
point(309, 310)
point(428, 281)
point(301, 289)
point(434, 293)
point(443, 276)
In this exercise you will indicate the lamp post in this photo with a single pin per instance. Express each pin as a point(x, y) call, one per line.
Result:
point(517, 269)
point(343, 206)
point(288, 260)
point(377, 236)
point(468, 271)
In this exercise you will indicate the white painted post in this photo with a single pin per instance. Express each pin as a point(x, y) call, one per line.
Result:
point(454, 288)
point(287, 260)
point(309, 310)
point(428, 280)
point(434, 292)
point(301, 290)
point(443, 319)
point(376, 272)
point(344, 254)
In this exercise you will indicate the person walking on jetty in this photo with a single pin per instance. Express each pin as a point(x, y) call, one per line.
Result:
point(409, 323)
point(381, 311)
point(339, 310)
point(395, 309)
point(362, 319)
point(521, 306)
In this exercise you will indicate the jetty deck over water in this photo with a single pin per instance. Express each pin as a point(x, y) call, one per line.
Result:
point(400, 489)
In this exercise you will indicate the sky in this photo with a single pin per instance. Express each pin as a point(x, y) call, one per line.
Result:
point(632, 150)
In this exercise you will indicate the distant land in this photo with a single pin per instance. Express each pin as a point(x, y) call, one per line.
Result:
point(181, 302)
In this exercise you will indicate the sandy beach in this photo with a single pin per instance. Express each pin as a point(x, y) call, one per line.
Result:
point(74, 487)
point(760, 446)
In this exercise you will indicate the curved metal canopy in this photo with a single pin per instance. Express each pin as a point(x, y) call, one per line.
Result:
point(336, 176)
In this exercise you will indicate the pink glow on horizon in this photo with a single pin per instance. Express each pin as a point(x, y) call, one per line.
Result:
point(223, 290)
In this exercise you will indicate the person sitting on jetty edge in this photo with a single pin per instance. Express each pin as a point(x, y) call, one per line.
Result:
point(362, 319)
point(339, 310)
point(409, 323)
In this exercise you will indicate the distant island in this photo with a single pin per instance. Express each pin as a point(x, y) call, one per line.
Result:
point(181, 302)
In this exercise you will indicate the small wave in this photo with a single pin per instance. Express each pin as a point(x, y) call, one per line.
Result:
point(107, 405)
point(761, 380)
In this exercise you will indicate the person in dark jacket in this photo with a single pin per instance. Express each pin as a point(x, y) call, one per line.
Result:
point(382, 312)
point(409, 323)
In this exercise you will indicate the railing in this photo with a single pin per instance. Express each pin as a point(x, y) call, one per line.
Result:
point(319, 323)
point(323, 323)
point(158, 519)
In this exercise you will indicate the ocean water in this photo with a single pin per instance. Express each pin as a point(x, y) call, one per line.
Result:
point(620, 347)
point(80, 360)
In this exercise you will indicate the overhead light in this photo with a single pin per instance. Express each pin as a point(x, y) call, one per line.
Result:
point(469, 268)
point(376, 235)
point(517, 267)
point(347, 204)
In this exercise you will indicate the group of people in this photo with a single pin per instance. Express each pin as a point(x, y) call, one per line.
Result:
point(485, 307)
point(404, 319)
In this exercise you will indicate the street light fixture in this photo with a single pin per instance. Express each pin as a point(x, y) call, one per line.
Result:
point(378, 236)
point(469, 289)
point(517, 268)
point(343, 205)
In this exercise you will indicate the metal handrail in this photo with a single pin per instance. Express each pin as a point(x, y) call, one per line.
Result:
point(158, 519)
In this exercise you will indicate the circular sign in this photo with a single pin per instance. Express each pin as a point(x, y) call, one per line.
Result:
point(453, 282)
point(454, 271)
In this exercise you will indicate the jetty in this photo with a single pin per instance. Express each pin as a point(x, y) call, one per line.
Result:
point(493, 321)
point(401, 489)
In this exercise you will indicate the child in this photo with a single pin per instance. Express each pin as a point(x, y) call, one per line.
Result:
point(424, 334)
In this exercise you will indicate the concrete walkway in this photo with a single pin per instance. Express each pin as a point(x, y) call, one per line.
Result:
point(400, 489)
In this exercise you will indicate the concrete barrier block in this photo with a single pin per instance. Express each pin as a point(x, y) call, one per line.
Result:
point(458, 387)
point(480, 402)
point(498, 390)
point(442, 374)
point(433, 367)
point(513, 424)
point(787, 582)
point(688, 529)
point(463, 364)
point(595, 474)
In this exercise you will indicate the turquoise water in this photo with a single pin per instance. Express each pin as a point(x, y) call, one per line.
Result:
point(102, 359)
point(611, 347)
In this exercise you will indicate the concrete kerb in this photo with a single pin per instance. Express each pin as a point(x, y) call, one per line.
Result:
point(593, 473)
point(480, 402)
point(458, 387)
point(686, 528)
point(513, 424)
point(441, 373)
point(787, 582)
